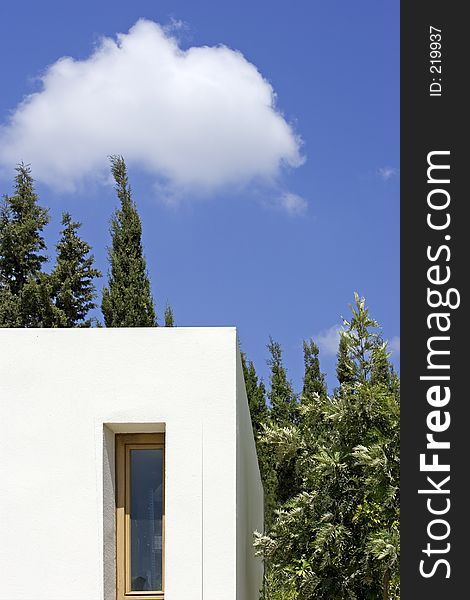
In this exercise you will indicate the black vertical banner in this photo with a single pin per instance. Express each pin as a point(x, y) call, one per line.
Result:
point(435, 331)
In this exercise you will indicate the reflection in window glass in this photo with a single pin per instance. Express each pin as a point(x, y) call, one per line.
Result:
point(146, 512)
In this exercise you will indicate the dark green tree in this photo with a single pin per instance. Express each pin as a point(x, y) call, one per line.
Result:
point(127, 301)
point(169, 317)
point(256, 394)
point(73, 275)
point(345, 371)
point(314, 379)
point(284, 412)
point(9, 309)
point(22, 221)
point(314, 391)
point(281, 395)
point(24, 289)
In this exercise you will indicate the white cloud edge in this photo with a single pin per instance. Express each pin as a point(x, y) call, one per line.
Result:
point(328, 340)
point(387, 172)
point(293, 204)
point(72, 112)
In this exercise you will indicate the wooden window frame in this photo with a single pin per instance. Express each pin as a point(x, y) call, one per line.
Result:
point(124, 443)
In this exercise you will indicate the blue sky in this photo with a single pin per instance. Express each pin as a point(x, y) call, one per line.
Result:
point(267, 179)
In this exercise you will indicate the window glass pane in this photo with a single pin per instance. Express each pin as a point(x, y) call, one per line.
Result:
point(146, 519)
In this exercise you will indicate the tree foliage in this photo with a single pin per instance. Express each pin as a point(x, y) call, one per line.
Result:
point(337, 538)
point(169, 316)
point(284, 414)
point(127, 300)
point(314, 379)
point(24, 290)
point(281, 395)
point(29, 297)
point(22, 221)
point(72, 278)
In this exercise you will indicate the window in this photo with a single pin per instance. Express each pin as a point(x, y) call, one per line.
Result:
point(140, 516)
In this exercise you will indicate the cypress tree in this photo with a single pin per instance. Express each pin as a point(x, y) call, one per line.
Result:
point(284, 414)
point(73, 274)
point(282, 397)
point(169, 317)
point(21, 223)
point(314, 379)
point(314, 392)
point(24, 289)
point(256, 394)
point(127, 301)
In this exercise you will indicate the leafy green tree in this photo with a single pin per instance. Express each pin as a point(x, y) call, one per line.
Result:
point(72, 278)
point(24, 289)
point(361, 340)
point(127, 301)
point(337, 538)
point(169, 317)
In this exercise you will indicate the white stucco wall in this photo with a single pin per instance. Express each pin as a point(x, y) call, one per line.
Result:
point(63, 396)
point(250, 498)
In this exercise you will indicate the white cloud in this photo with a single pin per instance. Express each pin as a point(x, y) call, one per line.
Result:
point(196, 119)
point(387, 173)
point(328, 340)
point(394, 345)
point(293, 204)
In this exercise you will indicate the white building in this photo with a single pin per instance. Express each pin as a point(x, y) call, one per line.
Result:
point(90, 513)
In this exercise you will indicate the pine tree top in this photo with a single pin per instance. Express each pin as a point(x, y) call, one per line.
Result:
point(281, 395)
point(127, 301)
point(256, 395)
point(314, 379)
point(73, 275)
point(22, 221)
point(169, 317)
